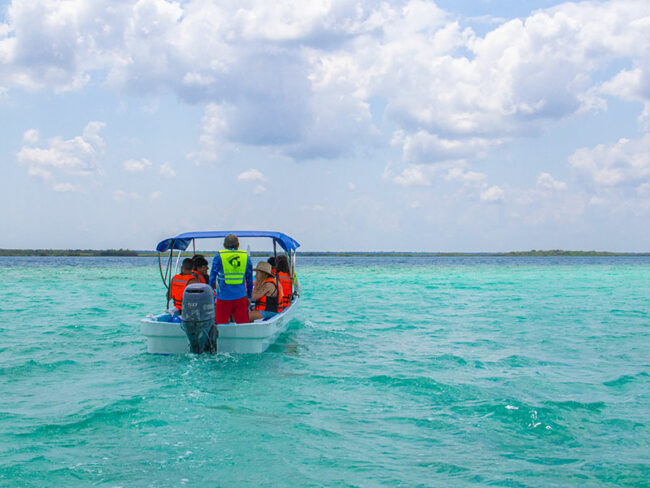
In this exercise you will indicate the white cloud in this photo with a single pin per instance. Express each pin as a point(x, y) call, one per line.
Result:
point(79, 156)
point(643, 189)
point(599, 202)
point(136, 166)
point(411, 175)
point(155, 195)
point(492, 194)
point(424, 147)
point(51, 44)
point(121, 195)
point(259, 189)
point(337, 115)
point(466, 177)
point(538, 206)
point(65, 187)
point(632, 85)
point(30, 137)
point(452, 93)
point(351, 186)
point(251, 175)
point(312, 208)
point(627, 161)
point(213, 133)
point(423, 174)
point(39, 172)
point(546, 180)
point(167, 171)
point(516, 79)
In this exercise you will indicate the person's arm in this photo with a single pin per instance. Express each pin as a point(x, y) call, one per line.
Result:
point(169, 290)
point(296, 285)
point(262, 289)
point(216, 262)
point(248, 276)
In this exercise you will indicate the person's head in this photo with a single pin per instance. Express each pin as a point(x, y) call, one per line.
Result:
point(282, 264)
point(263, 271)
point(271, 261)
point(231, 242)
point(187, 266)
point(200, 264)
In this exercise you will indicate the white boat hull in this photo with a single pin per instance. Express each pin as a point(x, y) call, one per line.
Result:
point(168, 338)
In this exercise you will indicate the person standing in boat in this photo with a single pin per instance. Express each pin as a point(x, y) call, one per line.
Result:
point(266, 292)
point(179, 282)
point(232, 277)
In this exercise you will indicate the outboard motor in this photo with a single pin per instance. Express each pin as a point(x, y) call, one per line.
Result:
point(198, 318)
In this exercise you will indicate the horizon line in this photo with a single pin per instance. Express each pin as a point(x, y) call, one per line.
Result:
point(144, 252)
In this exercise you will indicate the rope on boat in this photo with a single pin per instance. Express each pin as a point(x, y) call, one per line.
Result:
point(162, 276)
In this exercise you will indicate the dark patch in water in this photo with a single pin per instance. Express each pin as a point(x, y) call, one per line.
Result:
point(626, 379)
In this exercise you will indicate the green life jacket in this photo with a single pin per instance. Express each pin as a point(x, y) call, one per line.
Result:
point(234, 265)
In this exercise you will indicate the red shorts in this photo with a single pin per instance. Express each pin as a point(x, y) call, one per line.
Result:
point(238, 308)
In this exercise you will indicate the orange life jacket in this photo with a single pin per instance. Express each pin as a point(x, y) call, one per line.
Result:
point(178, 284)
point(202, 279)
point(270, 304)
point(200, 276)
point(285, 282)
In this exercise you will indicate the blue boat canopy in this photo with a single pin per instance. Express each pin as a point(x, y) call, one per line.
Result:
point(182, 241)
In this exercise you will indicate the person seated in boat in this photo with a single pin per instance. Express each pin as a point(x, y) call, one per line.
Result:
point(284, 278)
point(283, 267)
point(200, 268)
point(266, 293)
point(179, 282)
point(232, 277)
point(271, 261)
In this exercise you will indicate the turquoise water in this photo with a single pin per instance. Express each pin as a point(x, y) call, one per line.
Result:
point(396, 372)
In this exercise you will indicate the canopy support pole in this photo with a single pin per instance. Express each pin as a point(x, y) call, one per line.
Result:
point(292, 263)
point(178, 258)
point(168, 270)
point(291, 275)
point(275, 260)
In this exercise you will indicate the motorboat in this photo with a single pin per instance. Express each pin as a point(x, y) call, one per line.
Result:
point(166, 334)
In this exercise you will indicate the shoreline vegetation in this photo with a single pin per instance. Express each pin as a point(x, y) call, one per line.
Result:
point(390, 254)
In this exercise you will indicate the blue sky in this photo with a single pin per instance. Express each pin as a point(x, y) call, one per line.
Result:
point(350, 125)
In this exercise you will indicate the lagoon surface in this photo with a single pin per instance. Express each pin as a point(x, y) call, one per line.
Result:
point(472, 371)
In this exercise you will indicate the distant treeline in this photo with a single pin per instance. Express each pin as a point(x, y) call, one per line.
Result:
point(559, 252)
point(68, 252)
point(129, 252)
point(554, 252)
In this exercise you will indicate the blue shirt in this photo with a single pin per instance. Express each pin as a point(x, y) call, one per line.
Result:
point(231, 292)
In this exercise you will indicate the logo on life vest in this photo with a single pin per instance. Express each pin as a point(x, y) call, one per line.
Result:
point(234, 262)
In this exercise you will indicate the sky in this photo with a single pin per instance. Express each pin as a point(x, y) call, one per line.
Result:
point(456, 125)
